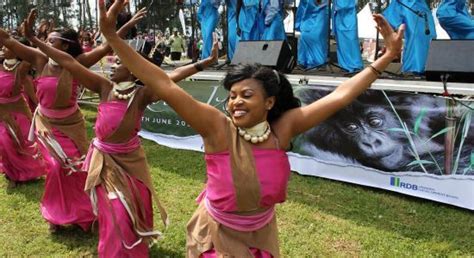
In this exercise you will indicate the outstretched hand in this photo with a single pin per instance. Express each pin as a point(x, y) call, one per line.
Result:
point(393, 40)
point(29, 22)
point(215, 48)
point(108, 19)
point(137, 17)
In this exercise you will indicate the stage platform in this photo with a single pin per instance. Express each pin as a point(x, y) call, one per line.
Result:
point(416, 86)
point(332, 76)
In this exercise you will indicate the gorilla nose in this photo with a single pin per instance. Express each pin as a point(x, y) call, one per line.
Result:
point(371, 146)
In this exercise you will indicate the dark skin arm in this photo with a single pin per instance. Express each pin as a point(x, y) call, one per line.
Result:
point(29, 54)
point(183, 72)
point(87, 78)
point(205, 119)
point(90, 58)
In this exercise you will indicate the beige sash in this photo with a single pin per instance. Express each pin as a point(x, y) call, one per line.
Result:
point(205, 233)
point(112, 170)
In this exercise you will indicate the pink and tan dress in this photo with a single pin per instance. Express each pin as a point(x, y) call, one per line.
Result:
point(119, 181)
point(236, 214)
point(61, 129)
point(20, 159)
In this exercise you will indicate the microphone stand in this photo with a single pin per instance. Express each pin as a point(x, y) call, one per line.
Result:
point(329, 63)
point(419, 14)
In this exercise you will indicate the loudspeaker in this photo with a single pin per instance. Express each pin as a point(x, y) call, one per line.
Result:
point(453, 57)
point(272, 53)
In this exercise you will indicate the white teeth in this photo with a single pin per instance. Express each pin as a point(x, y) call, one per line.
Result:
point(239, 113)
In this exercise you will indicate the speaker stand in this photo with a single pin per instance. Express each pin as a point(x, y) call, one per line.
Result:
point(224, 65)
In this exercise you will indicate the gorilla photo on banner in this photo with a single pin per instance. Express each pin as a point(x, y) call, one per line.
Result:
point(405, 132)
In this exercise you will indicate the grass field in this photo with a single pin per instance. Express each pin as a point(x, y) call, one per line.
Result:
point(321, 217)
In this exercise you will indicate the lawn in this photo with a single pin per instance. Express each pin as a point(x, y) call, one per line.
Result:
point(320, 218)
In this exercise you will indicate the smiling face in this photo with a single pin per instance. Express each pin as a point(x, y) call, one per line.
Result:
point(248, 103)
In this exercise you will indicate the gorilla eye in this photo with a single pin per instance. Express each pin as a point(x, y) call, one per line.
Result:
point(351, 127)
point(375, 121)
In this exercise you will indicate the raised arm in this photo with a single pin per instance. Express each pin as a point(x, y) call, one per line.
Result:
point(204, 118)
point(90, 58)
point(87, 78)
point(183, 72)
point(302, 119)
point(29, 54)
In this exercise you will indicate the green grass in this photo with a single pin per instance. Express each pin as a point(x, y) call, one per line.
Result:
point(321, 217)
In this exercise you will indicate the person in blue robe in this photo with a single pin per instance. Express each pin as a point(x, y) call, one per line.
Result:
point(232, 37)
point(345, 31)
point(208, 16)
point(417, 42)
point(312, 22)
point(271, 21)
point(455, 19)
point(248, 11)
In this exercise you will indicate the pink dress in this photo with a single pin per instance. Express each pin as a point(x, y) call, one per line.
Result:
point(273, 172)
point(64, 200)
point(19, 158)
point(236, 216)
point(117, 235)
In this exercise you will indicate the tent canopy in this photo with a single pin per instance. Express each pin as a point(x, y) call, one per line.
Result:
point(366, 24)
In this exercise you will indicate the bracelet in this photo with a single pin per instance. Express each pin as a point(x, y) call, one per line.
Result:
point(199, 66)
point(375, 71)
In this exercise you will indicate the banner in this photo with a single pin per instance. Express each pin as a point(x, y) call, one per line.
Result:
point(389, 140)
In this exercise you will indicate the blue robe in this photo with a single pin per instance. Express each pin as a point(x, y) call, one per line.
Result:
point(232, 37)
point(416, 45)
point(208, 17)
point(455, 19)
point(312, 22)
point(345, 30)
point(271, 21)
point(248, 18)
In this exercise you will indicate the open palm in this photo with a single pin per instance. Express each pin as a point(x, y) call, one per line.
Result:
point(393, 40)
point(108, 19)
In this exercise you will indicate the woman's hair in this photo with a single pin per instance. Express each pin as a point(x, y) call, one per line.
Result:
point(274, 83)
point(72, 37)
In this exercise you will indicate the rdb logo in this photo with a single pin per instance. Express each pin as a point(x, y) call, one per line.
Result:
point(395, 181)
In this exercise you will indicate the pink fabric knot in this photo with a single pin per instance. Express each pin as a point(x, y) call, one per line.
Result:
point(55, 113)
point(240, 222)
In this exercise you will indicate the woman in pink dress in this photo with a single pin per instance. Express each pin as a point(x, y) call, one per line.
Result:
point(247, 167)
point(59, 125)
point(20, 158)
point(119, 181)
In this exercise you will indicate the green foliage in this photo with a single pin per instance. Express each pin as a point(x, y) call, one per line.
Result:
point(320, 218)
point(13, 12)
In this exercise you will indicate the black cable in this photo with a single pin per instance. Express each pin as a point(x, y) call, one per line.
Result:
point(444, 79)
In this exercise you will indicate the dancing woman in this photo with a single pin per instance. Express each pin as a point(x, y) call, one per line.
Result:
point(60, 125)
point(119, 180)
point(20, 158)
point(247, 167)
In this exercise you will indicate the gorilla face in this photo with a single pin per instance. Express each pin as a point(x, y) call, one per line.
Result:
point(363, 131)
point(368, 132)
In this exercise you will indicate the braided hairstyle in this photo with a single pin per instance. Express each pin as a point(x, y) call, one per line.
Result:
point(274, 83)
point(74, 48)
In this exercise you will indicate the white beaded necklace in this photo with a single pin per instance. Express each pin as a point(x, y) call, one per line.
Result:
point(10, 64)
point(52, 62)
point(121, 86)
point(257, 133)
